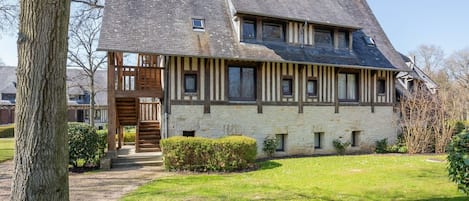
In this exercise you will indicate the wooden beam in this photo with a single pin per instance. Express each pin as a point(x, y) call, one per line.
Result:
point(300, 88)
point(336, 90)
point(112, 115)
point(259, 89)
point(373, 90)
point(207, 87)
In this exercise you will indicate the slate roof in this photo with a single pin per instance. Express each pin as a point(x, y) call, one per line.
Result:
point(164, 27)
point(76, 85)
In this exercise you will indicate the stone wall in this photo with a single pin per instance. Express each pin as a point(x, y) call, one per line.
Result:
point(299, 128)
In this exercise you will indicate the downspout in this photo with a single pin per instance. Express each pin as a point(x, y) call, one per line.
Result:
point(166, 98)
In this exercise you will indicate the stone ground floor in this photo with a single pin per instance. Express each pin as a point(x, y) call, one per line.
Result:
point(103, 185)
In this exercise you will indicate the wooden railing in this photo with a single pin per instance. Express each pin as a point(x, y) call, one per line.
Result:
point(133, 78)
point(149, 111)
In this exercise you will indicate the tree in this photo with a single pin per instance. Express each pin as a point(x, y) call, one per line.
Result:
point(428, 57)
point(458, 67)
point(41, 152)
point(8, 15)
point(84, 32)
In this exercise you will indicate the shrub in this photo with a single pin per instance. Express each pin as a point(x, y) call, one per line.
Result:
point(270, 145)
point(382, 146)
point(459, 127)
point(7, 131)
point(102, 142)
point(203, 154)
point(458, 158)
point(340, 146)
point(129, 136)
point(83, 142)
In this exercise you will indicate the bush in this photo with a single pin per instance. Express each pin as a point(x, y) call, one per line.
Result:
point(203, 154)
point(270, 145)
point(458, 158)
point(102, 142)
point(340, 146)
point(382, 146)
point(129, 136)
point(83, 142)
point(7, 131)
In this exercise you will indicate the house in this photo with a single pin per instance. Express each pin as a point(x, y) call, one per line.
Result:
point(77, 91)
point(407, 80)
point(306, 72)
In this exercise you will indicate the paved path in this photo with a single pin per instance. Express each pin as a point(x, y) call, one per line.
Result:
point(105, 185)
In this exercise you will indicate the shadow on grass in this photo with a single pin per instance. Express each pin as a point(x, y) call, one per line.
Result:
point(268, 165)
point(462, 198)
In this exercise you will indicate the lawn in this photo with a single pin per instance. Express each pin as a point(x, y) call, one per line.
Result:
point(6, 149)
point(370, 177)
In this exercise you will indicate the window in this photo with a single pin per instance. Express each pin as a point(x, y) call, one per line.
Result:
point(281, 140)
point(242, 83)
point(312, 88)
point(190, 83)
point(381, 88)
point(9, 97)
point(318, 140)
point(198, 24)
point(369, 41)
point(323, 38)
point(348, 87)
point(343, 38)
point(355, 138)
point(272, 32)
point(249, 30)
point(188, 133)
point(287, 88)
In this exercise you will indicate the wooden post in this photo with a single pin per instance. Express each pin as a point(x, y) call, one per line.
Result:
point(207, 87)
point(137, 130)
point(259, 88)
point(373, 90)
point(111, 100)
point(336, 90)
point(300, 88)
point(120, 137)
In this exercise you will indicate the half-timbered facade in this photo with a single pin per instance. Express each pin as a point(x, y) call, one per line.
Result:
point(306, 72)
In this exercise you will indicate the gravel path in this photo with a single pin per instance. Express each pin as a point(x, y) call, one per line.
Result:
point(105, 185)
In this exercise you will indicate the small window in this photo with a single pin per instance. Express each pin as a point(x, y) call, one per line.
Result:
point(323, 38)
point(343, 40)
point(198, 24)
point(318, 137)
point(190, 83)
point(249, 30)
point(312, 88)
point(281, 144)
point(287, 87)
point(355, 138)
point(272, 32)
point(381, 86)
point(188, 133)
point(369, 41)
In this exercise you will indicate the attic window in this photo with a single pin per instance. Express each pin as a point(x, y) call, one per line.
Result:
point(198, 24)
point(369, 41)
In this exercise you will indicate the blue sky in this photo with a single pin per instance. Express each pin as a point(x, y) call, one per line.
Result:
point(407, 23)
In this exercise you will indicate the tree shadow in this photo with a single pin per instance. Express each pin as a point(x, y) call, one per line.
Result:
point(268, 165)
point(462, 198)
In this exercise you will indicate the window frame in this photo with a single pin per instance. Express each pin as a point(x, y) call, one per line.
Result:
point(254, 22)
point(289, 93)
point(320, 141)
point(381, 84)
point(357, 87)
point(196, 27)
point(281, 146)
point(188, 133)
point(347, 39)
point(316, 85)
point(324, 30)
point(247, 99)
point(273, 23)
point(196, 87)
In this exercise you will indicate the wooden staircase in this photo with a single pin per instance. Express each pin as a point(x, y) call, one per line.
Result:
point(149, 136)
point(126, 111)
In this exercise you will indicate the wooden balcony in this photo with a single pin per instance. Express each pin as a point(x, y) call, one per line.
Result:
point(134, 81)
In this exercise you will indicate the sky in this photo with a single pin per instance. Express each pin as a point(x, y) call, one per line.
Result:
point(407, 23)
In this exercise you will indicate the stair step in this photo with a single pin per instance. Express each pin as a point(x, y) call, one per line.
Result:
point(150, 149)
point(142, 146)
point(137, 163)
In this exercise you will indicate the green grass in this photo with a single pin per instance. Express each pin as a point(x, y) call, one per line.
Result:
point(371, 177)
point(6, 149)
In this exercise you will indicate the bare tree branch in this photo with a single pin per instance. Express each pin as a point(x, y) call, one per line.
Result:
point(90, 3)
point(8, 15)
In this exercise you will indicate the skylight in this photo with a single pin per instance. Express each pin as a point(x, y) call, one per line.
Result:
point(198, 24)
point(369, 41)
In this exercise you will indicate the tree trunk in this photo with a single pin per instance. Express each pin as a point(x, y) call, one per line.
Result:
point(92, 100)
point(41, 150)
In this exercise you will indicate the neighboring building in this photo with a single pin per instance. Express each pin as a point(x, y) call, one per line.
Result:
point(306, 72)
point(78, 96)
point(406, 81)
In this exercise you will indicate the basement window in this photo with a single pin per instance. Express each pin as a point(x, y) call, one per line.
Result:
point(281, 142)
point(318, 138)
point(355, 138)
point(198, 24)
point(188, 133)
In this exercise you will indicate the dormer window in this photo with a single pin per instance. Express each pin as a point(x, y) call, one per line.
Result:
point(249, 30)
point(343, 38)
point(198, 24)
point(323, 38)
point(369, 41)
point(272, 32)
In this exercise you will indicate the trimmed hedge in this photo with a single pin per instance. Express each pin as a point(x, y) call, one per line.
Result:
point(458, 158)
point(7, 131)
point(83, 142)
point(203, 154)
point(102, 142)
